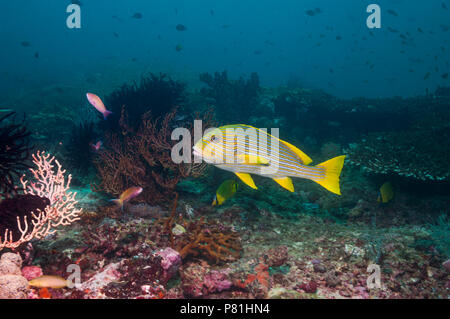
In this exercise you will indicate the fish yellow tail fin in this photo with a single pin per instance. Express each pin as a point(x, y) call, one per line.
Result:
point(333, 168)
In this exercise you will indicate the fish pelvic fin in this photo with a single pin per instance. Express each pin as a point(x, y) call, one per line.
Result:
point(247, 179)
point(118, 202)
point(106, 113)
point(285, 182)
point(333, 168)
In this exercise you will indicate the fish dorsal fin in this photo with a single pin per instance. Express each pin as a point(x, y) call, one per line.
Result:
point(247, 179)
point(252, 160)
point(305, 158)
point(285, 182)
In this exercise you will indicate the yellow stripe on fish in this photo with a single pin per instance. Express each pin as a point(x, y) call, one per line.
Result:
point(246, 150)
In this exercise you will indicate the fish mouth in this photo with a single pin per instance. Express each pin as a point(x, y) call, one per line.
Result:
point(196, 152)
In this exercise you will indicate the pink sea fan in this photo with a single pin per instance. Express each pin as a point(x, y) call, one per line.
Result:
point(48, 183)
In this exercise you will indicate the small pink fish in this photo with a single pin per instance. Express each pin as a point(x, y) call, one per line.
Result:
point(98, 104)
point(127, 195)
point(97, 145)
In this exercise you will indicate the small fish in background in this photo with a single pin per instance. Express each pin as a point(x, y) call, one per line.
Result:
point(211, 12)
point(444, 76)
point(36, 55)
point(427, 76)
point(178, 230)
point(180, 27)
point(225, 26)
point(137, 15)
point(225, 191)
point(444, 6)
point(311, 13)
point(117, 18)
point(98, 104)
point(257, 52)
point(386, 193)
point(130, 193)
point(25, 44)
point(420, 30)
point(338, 37)
point(178, 48)
point(97, 145)
point(116, 34)
point(47, 281)
point(77, 2)
point(392, 12)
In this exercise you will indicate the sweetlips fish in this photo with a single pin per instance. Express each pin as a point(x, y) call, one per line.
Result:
point(98, 104)
point(244, 150)
point(127, 195)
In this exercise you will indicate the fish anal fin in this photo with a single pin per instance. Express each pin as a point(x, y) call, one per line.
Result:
point(247, 179)
point(285, 182)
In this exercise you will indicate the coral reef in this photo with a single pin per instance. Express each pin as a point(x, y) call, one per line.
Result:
point(14, 151)
point(241, 96)
point(143, 159)
point(12, 284)
point(48, 184)
point(158, 94)
point(79, 148)
point(415, 154)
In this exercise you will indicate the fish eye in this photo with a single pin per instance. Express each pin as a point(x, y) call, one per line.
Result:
point(213, 138)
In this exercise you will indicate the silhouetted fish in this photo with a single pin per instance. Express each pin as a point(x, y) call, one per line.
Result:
point(137, 15)
point(25, 44)
point(181, 27)
point(338, 37)
point(444, 76)
point(444, 6)
point(116, 34)
point(36, 55)
point(392, 12)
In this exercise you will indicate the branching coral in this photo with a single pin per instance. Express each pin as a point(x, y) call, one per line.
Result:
point(143, 158)
point(417, 154)
point(49, 184)
point(14, 151)
point(214, 241)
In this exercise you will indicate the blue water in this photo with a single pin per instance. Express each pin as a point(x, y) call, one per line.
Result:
point(277, 39)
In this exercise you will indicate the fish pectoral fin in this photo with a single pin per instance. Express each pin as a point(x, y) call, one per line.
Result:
point(252, 159)
point(285, 182)
point(247, 179)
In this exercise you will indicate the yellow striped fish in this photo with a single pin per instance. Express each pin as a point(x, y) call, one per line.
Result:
point(244, 150)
